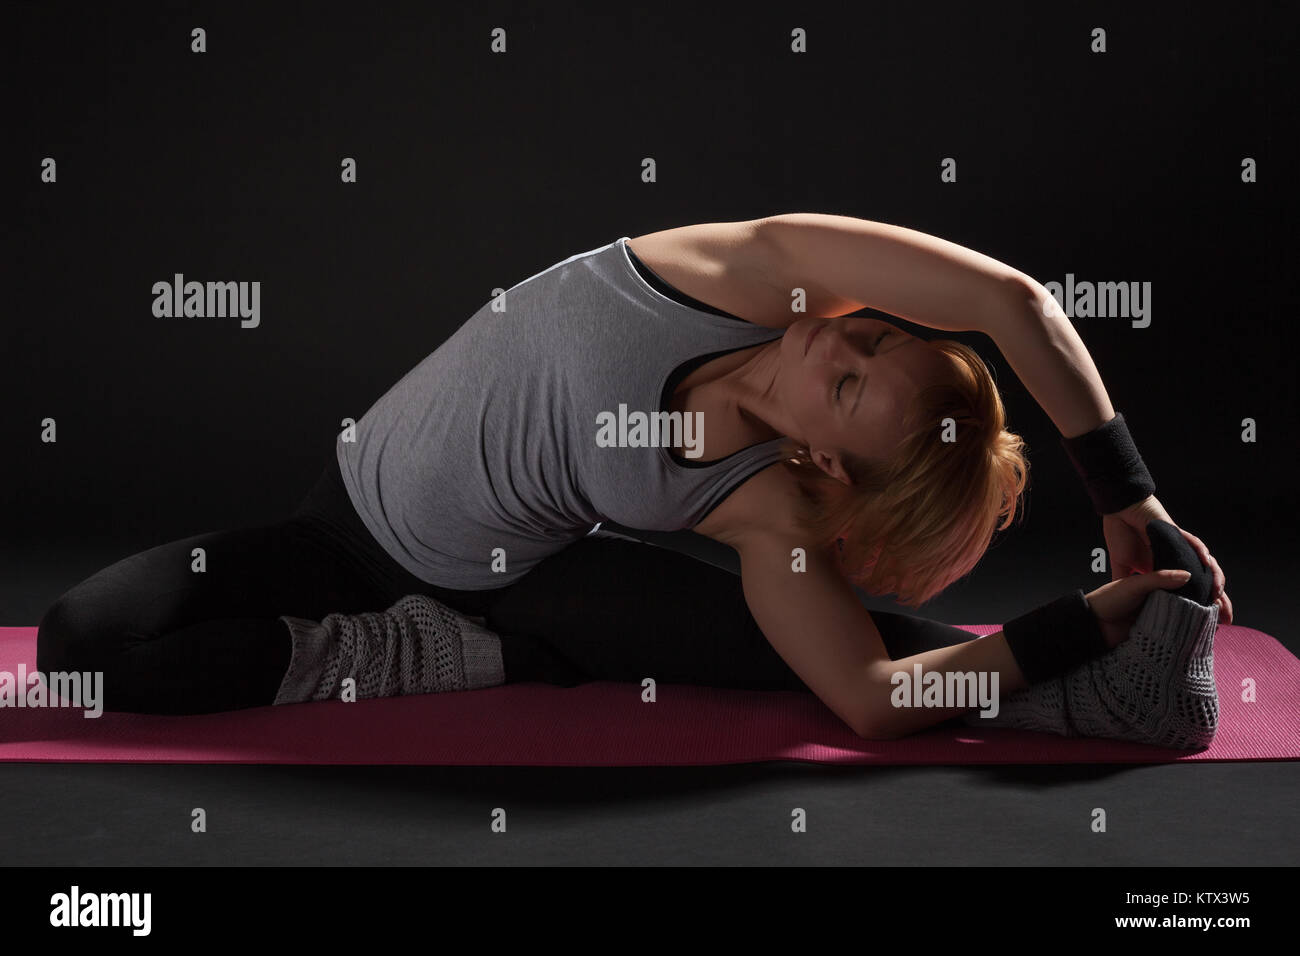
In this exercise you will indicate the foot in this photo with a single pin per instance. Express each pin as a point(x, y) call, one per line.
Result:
point(1155, 688)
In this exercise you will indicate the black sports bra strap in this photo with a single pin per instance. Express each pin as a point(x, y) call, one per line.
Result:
point(663, 288)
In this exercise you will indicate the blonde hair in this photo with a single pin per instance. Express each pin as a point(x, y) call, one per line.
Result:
point(916, 522)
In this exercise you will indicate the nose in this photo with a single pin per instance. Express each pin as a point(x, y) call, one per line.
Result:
point(851, 342)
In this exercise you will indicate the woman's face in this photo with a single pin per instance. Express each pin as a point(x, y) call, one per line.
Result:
point(847, 382)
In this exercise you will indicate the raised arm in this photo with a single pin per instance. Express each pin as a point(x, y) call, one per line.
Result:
point(846, 264)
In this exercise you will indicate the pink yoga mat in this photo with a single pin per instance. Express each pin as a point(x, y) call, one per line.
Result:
point(606, 724)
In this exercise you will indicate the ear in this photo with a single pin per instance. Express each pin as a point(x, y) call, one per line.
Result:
point(832, 465)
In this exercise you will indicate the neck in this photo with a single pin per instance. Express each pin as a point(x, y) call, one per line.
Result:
point(754, 389)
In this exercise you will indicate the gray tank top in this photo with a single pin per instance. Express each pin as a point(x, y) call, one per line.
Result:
point(491, 441)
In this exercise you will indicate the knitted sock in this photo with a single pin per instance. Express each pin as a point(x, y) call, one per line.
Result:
point(417, 646)
point(1157, 687)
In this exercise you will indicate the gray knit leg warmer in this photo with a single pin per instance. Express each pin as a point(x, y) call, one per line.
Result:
point(417, 646)
point(1157, 687)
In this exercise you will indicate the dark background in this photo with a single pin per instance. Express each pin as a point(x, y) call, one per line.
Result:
point(477, 170)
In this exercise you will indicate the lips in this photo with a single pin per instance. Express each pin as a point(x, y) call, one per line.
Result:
point(812, 335)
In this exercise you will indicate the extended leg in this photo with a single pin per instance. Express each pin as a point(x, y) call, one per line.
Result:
point(620, 610)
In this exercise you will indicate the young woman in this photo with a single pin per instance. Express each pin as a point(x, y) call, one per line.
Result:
point(454, 538)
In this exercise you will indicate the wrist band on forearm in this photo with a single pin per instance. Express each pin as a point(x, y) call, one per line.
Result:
point(1055, 638)
point(1109, 464)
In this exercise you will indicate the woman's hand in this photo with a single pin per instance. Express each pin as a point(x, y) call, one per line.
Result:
point(1130, 549)
point(1116, 605)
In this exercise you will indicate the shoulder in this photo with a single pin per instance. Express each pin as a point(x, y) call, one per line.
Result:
point(765, 507)
point(731, 266)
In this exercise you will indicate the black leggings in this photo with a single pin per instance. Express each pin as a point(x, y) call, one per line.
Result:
point(172, 640)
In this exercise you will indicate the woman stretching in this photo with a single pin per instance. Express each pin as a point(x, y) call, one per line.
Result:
point(704, 378)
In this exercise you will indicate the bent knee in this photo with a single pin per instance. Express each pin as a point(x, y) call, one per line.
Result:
point(75, 635)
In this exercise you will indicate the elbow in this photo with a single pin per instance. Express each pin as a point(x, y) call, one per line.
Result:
point(1020, 293)
point(879, 721)
point(876, 728)
point(876, 717)
point(868, 732)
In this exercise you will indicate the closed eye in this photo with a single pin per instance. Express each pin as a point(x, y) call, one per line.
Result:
point(839, 386)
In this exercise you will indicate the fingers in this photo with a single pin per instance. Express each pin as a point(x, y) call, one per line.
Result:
point(1207, 559)
point(1198, 546)
point(1220, 581)
point(1167, 578)
point(1225, 609)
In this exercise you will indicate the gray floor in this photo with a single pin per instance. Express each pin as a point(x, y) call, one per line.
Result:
point(1182, 815)
point(106, 814)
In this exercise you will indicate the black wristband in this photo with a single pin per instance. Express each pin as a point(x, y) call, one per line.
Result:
point(1055, 638)
point(1109, 464)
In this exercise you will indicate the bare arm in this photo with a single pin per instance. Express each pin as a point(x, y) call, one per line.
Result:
point(846, 264)
point(1046, 353)
point(819, 628)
